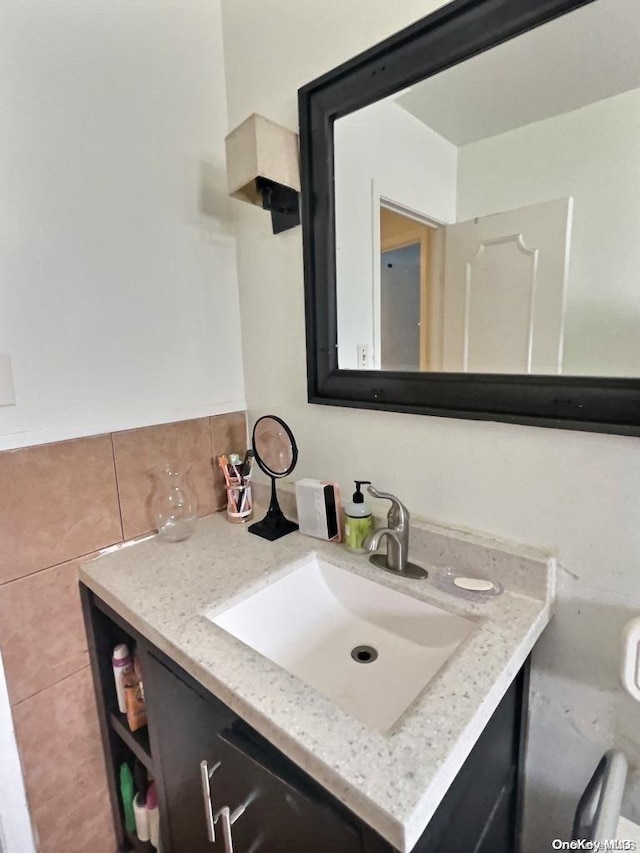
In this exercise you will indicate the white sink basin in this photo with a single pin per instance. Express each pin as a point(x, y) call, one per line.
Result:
point(310, 621)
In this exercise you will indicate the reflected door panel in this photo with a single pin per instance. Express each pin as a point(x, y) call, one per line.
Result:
point(405, 310)
point(504, 291)
point(400, 308)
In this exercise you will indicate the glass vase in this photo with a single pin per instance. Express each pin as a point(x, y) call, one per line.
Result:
point(174, 503)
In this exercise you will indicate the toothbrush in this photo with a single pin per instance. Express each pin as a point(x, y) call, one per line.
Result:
point(223, 462)
point(246, 465)
point(234, 461)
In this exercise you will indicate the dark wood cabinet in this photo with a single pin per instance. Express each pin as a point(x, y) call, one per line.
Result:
point(479, 811)
point(279, 808)
point(281, 813)
point(187, 728)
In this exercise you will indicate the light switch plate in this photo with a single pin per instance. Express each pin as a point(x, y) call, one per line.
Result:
point(363, 356)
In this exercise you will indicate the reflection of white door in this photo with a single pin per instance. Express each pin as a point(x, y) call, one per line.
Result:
point(504, 286)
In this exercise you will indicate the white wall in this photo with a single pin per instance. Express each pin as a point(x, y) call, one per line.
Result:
point(593, 155)
point(409, 164)
point(577, 493)
point(118, 282)
point(16, 835)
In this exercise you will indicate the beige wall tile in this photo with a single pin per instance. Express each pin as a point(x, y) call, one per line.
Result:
point(228, 435)
point(61, 753)
point(63, 504)
point(58, 501)
point(137, 451)
point(42, 634)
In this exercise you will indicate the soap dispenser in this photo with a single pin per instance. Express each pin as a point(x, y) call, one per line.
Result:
point(358, 519)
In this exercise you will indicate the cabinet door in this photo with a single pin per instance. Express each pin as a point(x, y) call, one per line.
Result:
point(479, 812)
point(185, 728)
point(284, 811)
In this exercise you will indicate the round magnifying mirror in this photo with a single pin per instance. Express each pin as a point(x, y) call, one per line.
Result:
point(274, 446)
point(276, 453)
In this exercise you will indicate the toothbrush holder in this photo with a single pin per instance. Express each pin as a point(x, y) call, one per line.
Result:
point(239, 502)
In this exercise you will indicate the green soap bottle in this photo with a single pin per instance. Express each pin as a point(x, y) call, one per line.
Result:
point(127, 793)
point(358, 519)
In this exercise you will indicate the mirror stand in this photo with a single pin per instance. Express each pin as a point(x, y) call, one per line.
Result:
point(276, 452)
point(274, 525)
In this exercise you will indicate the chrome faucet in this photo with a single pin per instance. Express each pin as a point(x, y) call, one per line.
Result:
point(396, 559)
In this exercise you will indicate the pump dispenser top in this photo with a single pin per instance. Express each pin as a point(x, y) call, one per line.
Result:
point(358, 497)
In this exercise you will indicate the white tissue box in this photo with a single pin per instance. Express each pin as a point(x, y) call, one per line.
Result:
point(318, 508)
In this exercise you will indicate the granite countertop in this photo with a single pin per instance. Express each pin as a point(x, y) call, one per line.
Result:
point(395, 780)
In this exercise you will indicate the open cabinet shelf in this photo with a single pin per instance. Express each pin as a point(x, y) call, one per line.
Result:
point(137, 742)
point(105, 630)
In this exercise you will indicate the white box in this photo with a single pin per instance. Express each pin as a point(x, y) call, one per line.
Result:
point(318, 508)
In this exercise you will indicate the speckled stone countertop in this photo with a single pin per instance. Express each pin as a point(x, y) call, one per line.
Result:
point(394, 781)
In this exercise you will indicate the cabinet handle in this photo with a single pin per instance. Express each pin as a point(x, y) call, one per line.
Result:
point(227, 819)
point(205, 776)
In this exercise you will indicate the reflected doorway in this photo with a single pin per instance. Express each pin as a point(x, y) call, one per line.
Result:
point(410, 290)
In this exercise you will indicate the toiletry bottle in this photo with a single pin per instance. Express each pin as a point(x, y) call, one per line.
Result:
point(142, 818)
point(127, 793)
point(358, 519)
point(134, 701)
point(153, 816)
point(140, 801)
point(122, 664)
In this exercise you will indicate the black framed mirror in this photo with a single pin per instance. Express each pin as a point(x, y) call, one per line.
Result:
point(458, 45)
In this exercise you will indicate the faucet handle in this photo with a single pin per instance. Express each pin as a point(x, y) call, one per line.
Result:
point(398, 514)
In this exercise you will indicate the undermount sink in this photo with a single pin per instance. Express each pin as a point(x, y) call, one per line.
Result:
point(370, 649)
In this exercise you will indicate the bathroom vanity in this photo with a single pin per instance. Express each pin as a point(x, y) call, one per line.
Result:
point(247, 753)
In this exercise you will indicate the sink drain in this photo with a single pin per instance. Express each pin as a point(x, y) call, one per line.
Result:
point(364, 654)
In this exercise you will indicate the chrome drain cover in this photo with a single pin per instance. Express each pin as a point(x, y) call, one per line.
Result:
point(364, 654)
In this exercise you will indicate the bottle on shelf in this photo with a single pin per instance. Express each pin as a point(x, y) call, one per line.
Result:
point(122, 666)
point(134, 699)
point(152, 813)
point(140, 801)
point(127, 793)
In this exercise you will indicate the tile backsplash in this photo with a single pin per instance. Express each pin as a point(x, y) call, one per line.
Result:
point(41, 630)
point(58, 501)
point(137, 452)
point(60, 504)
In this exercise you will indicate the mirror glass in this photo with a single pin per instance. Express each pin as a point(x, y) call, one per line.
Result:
point(488, 217)
point(274, 446)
